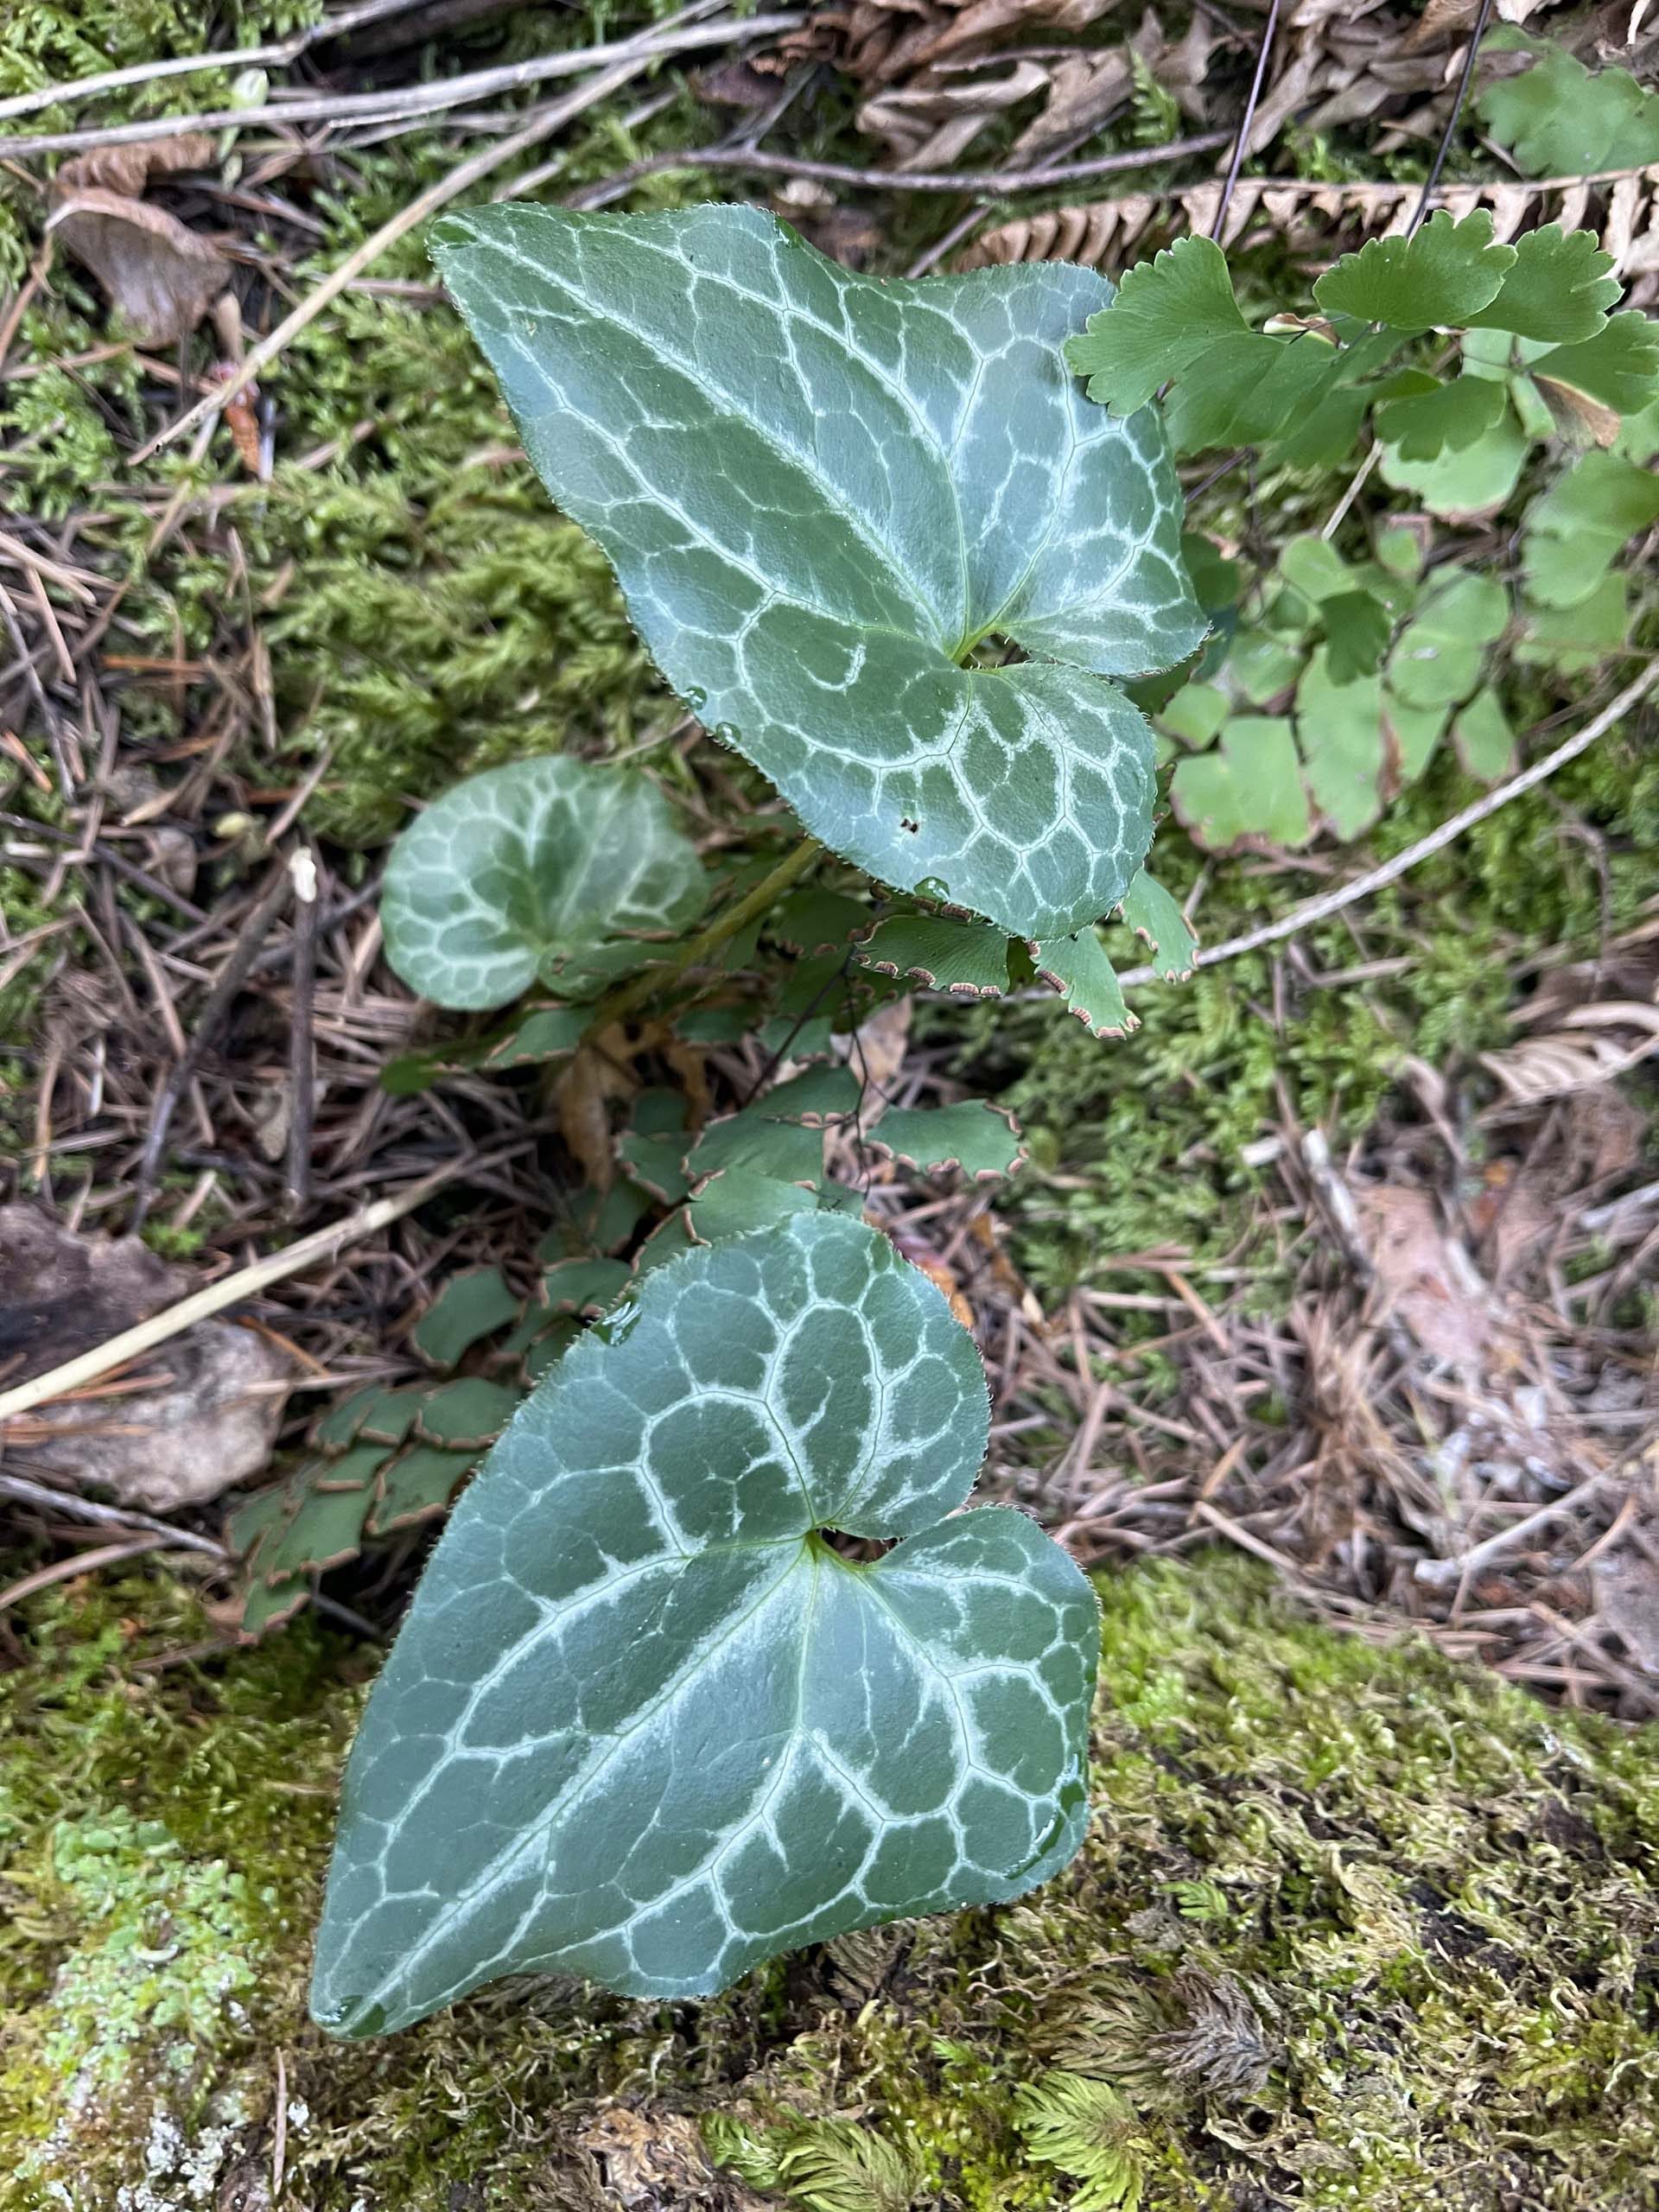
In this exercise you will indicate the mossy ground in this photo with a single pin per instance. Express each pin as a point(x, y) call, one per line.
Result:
point(426, 614)
point(1352, 1927)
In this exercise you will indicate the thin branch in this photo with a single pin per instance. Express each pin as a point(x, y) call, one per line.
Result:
point(276, 55)
point(106, 855)
point(1332, 902)
point(302, 1043)
point(996, 182)
point(232, 977)
point(23, 1492)
point(640, 53)
point(1241, 144)
point(65, 1570)
point(404, 101)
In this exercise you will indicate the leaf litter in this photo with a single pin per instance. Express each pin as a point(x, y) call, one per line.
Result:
point(1329, 1435)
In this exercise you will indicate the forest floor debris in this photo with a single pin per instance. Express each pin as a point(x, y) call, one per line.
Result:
point(1414, 1372)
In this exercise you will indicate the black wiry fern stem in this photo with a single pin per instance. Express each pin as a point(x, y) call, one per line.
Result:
point(1432, 181)
point(1241, 142)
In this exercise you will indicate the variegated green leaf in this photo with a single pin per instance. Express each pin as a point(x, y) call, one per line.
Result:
point(549, 871)
point(642, 1723)
point(821, 492)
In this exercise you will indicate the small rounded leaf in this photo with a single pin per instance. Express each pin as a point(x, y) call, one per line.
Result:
point(644, 1724)
point(549, 871)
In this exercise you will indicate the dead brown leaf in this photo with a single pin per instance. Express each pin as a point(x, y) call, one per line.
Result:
point(1321, 220)
point(601, 1070)
point(650, 2159)
point(1581, 418)
point(1594, 1044)
point(61, 1294)
point(1083, 90)
point(932, 1263)
point(1444, 19)
point(1425, 1278)
point(932, 124)
point(875, 1052)
point(201, 1415)
point(160, 276)
point(979, 25)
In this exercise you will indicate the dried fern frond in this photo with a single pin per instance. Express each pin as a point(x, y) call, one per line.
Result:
point(1622, 206)
point(1575, 1057)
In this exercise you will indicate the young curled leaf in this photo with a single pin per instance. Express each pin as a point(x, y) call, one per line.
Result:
point(644, 1723)
point(548, 871)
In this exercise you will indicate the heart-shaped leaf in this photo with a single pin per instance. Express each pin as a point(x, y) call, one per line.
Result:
point(642, 1723)
point(821, 492)
point(550, 871)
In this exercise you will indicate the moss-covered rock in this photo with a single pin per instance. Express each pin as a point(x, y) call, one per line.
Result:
point(1352, 1927)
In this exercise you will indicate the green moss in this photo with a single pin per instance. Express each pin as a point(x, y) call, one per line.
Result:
point(1352, 1927)
point(159, 1835)
point(54, 41)
point(1142, 1137)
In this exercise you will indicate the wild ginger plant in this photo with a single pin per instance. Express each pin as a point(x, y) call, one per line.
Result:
point(650, 1720)
point(646, 1720)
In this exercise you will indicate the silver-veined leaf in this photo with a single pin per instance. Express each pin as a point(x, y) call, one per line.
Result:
point(644, 1725)
point(549, 870)
point(820, 492)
